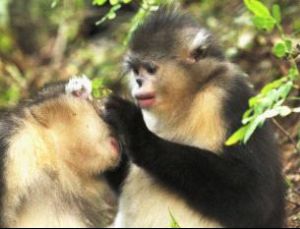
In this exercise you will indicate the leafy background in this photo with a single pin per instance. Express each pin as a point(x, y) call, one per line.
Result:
point(49, 40)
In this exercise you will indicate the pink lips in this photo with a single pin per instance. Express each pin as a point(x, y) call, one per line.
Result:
point(115, 145)
point(145, 100)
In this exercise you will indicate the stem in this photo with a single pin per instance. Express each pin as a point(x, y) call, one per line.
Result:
point(280, 29)
point(287, 134)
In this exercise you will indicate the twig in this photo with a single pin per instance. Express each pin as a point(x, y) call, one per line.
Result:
point(287, 134)
point(62, 37)
point(294, 203)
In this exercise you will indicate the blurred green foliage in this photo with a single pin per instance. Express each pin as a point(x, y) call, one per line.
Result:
point(270, 102)
point(173, 223)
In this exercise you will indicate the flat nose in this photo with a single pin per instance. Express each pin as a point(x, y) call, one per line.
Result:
point(139, 81)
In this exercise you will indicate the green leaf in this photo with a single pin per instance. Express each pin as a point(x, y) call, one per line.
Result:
point(99, 89)
point(113, 2)
point(126, 1)
point(271, 113)
point(12, 95)
point(54, 3)
point(253, 101)
point(99, 2)
point(6, 43)
point(283, 48)
point(285, 90)
point(264, 23)
point(276, 12)
point(284, 111)
point(293, 72)
point(289, 45)
point(258, 8)
point(252, 127)
point(174, 223)
point(247, 114)
point(273, 85)
point(280, 50)
point(237, 136)
point(111, 15)
point(97, 83)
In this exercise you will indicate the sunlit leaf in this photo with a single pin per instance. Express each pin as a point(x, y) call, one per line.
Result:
point(252, 127)
point(247, 114)
point(264, 23)
point(276, 12)
point(99, 2)
point(272, 85)
point(237, 136)
point(280, 49)
point(54, 3)
point(285, 90)
point(271, 113)
point(111, 15)
point(284, 111)
point(113, 2)
point(293, 72)
point(253, 101)
point(6, 43)
point(258, 8)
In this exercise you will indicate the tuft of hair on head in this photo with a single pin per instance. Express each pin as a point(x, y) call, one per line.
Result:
point(166, 17)
point(79, 86)
point(170, 32)
point(159, 32)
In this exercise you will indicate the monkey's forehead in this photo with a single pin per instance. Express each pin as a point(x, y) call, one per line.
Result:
point(156, 46)
point(170, 41)
point(163, 32)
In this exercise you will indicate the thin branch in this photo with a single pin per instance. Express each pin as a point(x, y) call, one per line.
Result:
point(287, 134)
point(294, 203)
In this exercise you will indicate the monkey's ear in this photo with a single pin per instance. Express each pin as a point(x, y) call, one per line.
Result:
point(199, 45)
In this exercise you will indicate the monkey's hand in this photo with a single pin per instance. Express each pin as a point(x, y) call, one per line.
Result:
point(127, 120)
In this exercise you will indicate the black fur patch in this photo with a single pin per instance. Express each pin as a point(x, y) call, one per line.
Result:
point(262, 155)
point(158, 34)
point(242, 187)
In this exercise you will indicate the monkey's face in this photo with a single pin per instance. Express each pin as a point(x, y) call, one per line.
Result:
point(170, 57)
point(81, 140)
point(157, 86)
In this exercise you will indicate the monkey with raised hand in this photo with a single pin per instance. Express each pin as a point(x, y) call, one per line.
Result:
point(53, 148)
point(192, 99)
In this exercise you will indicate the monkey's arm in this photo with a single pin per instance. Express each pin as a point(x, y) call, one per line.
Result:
point(208, 181)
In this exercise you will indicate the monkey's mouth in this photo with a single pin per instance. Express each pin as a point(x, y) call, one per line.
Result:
point(145, 100)
point(114, 143)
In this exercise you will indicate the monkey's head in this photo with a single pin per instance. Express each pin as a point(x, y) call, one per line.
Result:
point(170, 58)
point(71, 125)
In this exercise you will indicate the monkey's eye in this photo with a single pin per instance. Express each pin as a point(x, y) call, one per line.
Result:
point(132, 68)
point(151, 68)
point(135, 70)
point(198, 53)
